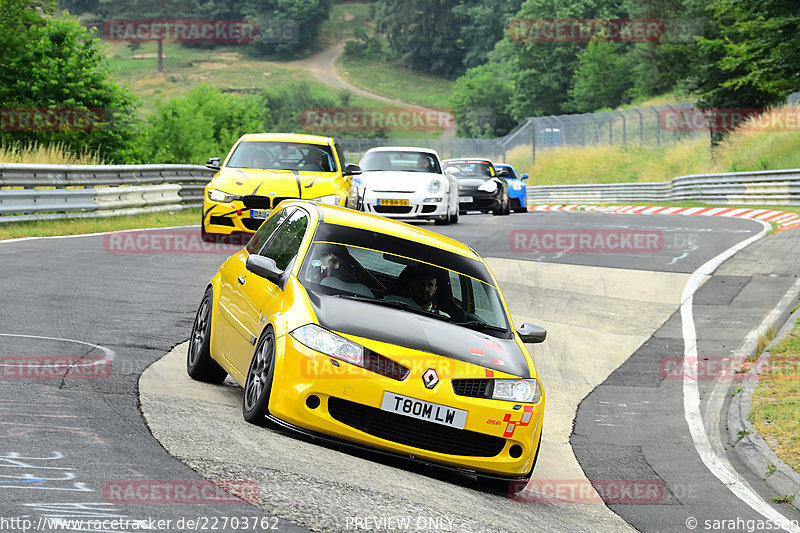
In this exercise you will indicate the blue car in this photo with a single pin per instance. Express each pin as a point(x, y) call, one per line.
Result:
point(517, 191)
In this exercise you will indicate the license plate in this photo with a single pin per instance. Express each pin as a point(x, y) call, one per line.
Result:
point(258, 213)
point(465, 199)
point(390, 201)
point(422, 410)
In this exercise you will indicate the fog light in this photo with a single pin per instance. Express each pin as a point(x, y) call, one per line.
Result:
point(313, 402)
point(431, 200)
point(515, 451)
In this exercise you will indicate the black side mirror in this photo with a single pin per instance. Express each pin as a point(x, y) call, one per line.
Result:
point(531, 333)
point(351, 170)
point(213, 163)
point(264, 267)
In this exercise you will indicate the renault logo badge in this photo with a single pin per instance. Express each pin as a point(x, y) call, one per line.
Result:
point(430, 378)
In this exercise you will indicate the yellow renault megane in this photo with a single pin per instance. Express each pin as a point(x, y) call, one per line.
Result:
point(264, 169)
point(359, 329)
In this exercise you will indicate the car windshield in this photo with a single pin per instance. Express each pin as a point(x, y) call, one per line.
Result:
point(275, 155)
point(393, 279)
point(405, 161)
point(506, 172)
point(469, 169)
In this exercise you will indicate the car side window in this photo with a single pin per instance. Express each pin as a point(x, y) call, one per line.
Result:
point(260, 238)
point(285, 243)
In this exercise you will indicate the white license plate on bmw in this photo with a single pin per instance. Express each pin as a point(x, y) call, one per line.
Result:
point(259, 213)
point(422, 410)
point(465, 199)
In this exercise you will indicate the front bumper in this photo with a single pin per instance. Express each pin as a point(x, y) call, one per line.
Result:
point(417, 206)
point(234, 217)
point(494, 440)
point(481, 201)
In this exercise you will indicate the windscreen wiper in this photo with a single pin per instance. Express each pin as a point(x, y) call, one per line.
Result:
point(481, 326)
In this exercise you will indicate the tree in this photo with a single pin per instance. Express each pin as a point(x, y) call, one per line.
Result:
point(479, 102)
point(542, 72)
point(425, 33)
point(756, 52)
point(602, 78)
point(201, 124)
point(55, 83)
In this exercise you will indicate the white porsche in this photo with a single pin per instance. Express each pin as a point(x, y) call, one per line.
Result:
point(405, 182)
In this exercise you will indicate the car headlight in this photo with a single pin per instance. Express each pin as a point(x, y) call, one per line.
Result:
point(517, 185)
point(434, 186)
point(329, 343)
point(488, 186)
point(517, 390)
point(218, 196)
point(331, 199)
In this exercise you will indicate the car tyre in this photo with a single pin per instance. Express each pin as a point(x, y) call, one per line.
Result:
point(454, 217)
point(199, 363)
point(507, 210)
point(444, 220)
point(258, 385)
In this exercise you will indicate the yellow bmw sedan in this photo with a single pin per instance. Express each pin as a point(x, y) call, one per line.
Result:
point(363, 330)
point(264, 169)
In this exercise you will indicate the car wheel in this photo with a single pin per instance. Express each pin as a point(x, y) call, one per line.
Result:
point(199, 364)
point(507, 210)
point(498, 210)
point(258, 385)
point(443, 220)
point(520, 210)
point(454, 217)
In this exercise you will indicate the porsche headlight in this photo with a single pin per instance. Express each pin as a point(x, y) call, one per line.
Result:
point(329, 343)
point(517, 185)
point(331, 199)
point(434, 186)
point(488, 186)
point(517, 390)
point(218, 196)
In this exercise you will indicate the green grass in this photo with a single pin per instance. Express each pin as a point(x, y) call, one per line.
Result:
point(77, 226)
point(776, 400)
point(395, 81)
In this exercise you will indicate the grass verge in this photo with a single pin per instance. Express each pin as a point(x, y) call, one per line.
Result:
point(52, 154)
point(392, 80)
point(76, 226)
point(775, 409)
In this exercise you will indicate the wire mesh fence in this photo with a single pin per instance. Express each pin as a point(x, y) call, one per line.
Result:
point(652, 126)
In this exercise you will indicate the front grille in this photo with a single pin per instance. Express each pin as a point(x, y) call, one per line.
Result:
point(394, 209)
point(412, 432)
point(252, 201)
point(428, 208)
point(220, 221)
point(477, 388)
point(384, 366)
point(252, 223)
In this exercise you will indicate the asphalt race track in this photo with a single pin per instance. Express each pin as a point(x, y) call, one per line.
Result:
point(611, 300)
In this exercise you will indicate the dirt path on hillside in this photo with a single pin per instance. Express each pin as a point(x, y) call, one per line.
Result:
point(323, 66)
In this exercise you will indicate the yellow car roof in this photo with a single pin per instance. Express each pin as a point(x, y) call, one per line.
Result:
point(286, 137)
point(358, 219)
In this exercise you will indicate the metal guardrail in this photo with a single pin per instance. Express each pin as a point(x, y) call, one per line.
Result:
point(36, 192)
point(47, 192)
point(767, 187)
